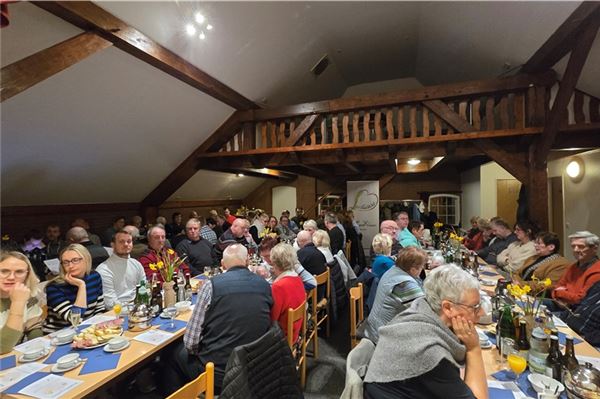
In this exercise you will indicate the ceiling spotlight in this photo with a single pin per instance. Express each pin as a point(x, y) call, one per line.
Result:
point(189, 28)
point(202, 35)
point(413, 161)
point(199, 18)
point(240, 175)
point(209, 27)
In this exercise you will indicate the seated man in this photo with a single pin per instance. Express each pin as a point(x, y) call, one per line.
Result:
point(120, 272)
point(238, 233)
point(390, 228)
point(233, 309)
point(585, 318)
point(504, 236)
point(138, 246)
point(78, 235)
point(197, 249)
point(157, 248)
point(309, 256)
point(581, 275)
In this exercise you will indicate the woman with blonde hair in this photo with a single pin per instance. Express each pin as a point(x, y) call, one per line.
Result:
point(77, 288)
point(321, 240)
point(20, 314)
point(382, 248)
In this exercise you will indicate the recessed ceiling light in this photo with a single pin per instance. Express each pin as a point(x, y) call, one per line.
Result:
point(189, 28)
point(199, 18)
point(209, 27)
point(202, 35)
point(414, 161)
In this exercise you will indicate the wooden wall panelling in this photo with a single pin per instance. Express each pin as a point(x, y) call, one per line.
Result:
point(519, 110)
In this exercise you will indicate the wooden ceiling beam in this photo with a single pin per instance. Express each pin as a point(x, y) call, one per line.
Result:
point(563, 40)
point(88, 16)
point(574, 67)
point(31, 70)
point(295, 137)
point(442, 110)
point(514, 163)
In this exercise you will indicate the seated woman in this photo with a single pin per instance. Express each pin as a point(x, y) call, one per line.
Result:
point(512, 258)
point(398, 287)
point(421, 350)
point(478, 239)
point(20, 315)
point(264, 269)
point(546, 263)
point(321, 240)
point(382, 247)
point(287, 289)
point(76, 287)
point(283, 229)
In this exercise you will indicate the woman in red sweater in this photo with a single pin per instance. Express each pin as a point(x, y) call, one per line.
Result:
point(287, 289)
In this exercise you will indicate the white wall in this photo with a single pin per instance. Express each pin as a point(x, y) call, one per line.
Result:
point(470, 183)
point(581, 199)
point(283, 198)
point(382, 87)
point(490, 172)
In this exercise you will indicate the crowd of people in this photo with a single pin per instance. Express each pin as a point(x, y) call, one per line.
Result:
point(422, 328)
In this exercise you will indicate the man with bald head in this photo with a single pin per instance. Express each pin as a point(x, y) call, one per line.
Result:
point(238, 233)
point(309, 256)
point(233, 309)
point(81, 222)
point(78, 235)
point(390, 228)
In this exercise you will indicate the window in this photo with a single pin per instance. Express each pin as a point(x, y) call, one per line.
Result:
point(447, 208)
point(332, 203)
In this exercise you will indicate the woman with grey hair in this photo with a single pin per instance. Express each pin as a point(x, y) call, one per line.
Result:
point(420, 352)
point(287, 289)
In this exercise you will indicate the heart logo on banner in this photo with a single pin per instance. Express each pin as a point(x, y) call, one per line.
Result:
point(365, 201)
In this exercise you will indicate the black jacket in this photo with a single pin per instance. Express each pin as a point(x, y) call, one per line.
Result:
point(262, 369)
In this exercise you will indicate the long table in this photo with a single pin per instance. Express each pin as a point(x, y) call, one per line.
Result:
point(134, 355)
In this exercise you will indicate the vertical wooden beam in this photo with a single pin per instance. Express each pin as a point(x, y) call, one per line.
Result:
point(537, 191)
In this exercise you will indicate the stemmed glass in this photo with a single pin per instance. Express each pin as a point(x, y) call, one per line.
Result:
point(75, 317)
point(171, 312)
point(118, 308)
point(516, 362)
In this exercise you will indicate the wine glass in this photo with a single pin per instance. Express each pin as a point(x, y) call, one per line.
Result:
point(516, 362)
point(207, 271)
point(75, 317)
point(171, 311)
point(117, 308)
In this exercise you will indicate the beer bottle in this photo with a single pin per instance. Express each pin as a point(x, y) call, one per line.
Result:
point(188, 288)
point(523, 343)
point(157, 300)
point(175, 286)
point(569, 361)
point(554, 360)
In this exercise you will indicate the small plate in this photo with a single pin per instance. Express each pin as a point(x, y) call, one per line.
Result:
point(56, 369)
point(107, 349)
point(488, 344)
point(22, 359)
point(487, 282)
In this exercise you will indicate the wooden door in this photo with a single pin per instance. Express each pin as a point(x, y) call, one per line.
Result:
point(507, 194)
point(557, 222)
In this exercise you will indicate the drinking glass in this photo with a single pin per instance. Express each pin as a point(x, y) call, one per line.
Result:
point(118, 308)
point(75, 317)
point(207, 271)
point(171, 312)
point(516, 362)
point(507, 345)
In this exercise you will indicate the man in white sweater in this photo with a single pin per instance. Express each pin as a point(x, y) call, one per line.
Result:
point(120, 272)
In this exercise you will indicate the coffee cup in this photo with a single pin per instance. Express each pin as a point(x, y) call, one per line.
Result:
point(117, 343)
point(65, 335)
point(68, 361)
point(33, 353)
point(547, 395)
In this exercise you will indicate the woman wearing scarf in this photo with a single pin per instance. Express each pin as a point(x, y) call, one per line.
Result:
point(420, 352)
point(546, 263)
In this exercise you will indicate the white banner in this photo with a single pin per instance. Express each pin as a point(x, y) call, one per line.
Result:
point(363, 200)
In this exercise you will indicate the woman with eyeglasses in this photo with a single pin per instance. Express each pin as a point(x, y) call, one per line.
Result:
point(76, 287)
point(20, 314)
point(421, 351)
point(546, 263)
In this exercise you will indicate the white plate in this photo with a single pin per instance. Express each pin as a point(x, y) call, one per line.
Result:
point(22, 359)
point(109, 350)
point(487, 282)
point(56, 369)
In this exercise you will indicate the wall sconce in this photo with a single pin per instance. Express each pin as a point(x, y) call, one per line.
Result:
point(575, 169)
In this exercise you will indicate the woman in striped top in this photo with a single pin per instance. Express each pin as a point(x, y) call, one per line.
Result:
point(77, 286)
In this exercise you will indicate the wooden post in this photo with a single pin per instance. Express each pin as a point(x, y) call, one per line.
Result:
point(537, 191)
point(149, 213)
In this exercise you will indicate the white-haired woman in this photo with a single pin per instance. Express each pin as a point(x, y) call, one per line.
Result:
point(321, 240)
point(420, 352)
point(287, 289)
point(382, 248)
point(76, 287)
point(20, 313)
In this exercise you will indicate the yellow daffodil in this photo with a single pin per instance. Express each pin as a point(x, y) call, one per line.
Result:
point(160, 264)
point(438, 224)
point(170, 251)
point(5, 237)
point(547, 282)
point(152, 266)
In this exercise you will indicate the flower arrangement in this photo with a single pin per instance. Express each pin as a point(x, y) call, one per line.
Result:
point(267, 232)
point(531, 295)
point(167, 263)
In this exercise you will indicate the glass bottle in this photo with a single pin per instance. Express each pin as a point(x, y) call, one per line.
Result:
point(175, 287)
point(143, 297)
point(569, 361)
point(156, 303)
point(181, 286)
point(554, 360)
point(523, 342)
point(188, 288)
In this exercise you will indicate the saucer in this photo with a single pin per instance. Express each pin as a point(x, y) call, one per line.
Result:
point(44, 353)
point(487, 282)
point(56, 342)
point(487, 345)
point(56, 369)
point(109, 350)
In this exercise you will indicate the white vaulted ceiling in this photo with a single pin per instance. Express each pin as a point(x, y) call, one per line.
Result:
point(111, 128)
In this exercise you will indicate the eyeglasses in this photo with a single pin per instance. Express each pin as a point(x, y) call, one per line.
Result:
point(4, 273)
point(74, 261)
point(475, 308)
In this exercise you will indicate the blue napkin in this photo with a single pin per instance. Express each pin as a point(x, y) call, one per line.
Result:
point(194, 299)
point(106, 361)
point(491, 336)
point(8, 362)
point(485, 273)
point(15, 388)
point(562, 339)
point(523, 383)
point(91, 353)
point(165, 324)
point(59, 352)
point(498, 393)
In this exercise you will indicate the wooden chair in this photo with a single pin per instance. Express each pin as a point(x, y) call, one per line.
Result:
point(298, 348)
point(356, 301)
point(205, 382)
point(348, 251)
point(312, 338)
point(324, 303)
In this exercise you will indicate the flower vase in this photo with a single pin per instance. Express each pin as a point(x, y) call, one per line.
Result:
point(169, 293)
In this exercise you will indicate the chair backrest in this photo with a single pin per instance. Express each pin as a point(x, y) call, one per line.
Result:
point(324, 278)
point(348, 250)
point(294, 315)
point(205, 382)
point(356, 303)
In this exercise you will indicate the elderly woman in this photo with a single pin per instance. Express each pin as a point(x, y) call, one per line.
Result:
point(311, 226)
point(477, 241)
point(284, 230)
point(321, 240)
point(287, 289)
point(264, 269)
point(76, 287)
point(420, 352)
point(546, 263)
point(512, 258)
point(398, 287)
point(20, 314)
point(382, 248)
